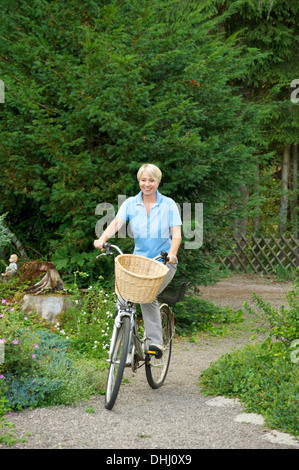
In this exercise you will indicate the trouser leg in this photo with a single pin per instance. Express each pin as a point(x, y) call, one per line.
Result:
point(151, 312)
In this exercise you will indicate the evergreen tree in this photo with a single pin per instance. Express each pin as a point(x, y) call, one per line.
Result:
point(272, 27)
point(95, 89)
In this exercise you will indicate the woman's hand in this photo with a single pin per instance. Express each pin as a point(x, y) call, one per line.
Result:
point(99, 244)
point(172, 259)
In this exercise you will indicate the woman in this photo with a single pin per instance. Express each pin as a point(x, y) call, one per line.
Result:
point(155, 223)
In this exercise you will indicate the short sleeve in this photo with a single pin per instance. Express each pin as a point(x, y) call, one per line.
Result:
point(123, 211)
point(174, 215)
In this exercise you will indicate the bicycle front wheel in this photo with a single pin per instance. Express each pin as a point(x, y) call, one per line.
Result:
point(118, 363)
point(156, 369)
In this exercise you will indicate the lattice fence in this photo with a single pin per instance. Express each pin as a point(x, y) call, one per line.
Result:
point(263, 255)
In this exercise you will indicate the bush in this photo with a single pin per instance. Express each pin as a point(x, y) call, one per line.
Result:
point(60, 377)
point(266, 384)
point(195, 315)
point(45, 367)
point(265, 377)
point(19, 342)
point(89, 324)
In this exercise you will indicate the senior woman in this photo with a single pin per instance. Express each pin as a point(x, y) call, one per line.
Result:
point(155, 223)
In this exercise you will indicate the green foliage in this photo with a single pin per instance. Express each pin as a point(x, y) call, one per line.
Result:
point(264, 376)
point(5, 237)
point(282, 325)
point(22, 392)
point(268, 385)
point(195, 315)
point(19, 342)
point(93, 91)
point(42, 367)
point(272, 28)
point(89, 324)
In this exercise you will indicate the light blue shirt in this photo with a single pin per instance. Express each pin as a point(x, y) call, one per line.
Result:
point(151, 232)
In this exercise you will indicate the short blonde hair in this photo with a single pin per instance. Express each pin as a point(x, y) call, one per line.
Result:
point(152, 170)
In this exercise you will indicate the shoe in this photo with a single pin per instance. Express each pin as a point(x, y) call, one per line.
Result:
point(155, 349)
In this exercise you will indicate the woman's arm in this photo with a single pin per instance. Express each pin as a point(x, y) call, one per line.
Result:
point(110, 231)
point(176, 239)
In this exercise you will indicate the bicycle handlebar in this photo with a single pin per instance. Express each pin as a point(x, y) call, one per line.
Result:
point(107, 246)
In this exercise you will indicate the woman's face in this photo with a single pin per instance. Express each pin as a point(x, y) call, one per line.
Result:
point(148, 185)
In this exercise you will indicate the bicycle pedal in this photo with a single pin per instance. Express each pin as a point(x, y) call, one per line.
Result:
point(156, 354)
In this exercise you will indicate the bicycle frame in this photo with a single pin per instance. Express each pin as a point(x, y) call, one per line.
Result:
point(135, 341)
point(128, 309)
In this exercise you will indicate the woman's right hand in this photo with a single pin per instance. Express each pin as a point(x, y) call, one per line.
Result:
point(99, 244)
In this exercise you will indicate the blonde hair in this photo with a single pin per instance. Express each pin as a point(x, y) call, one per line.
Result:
point(152, 170)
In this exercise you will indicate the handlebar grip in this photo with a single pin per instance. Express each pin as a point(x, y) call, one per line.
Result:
point(164, 256)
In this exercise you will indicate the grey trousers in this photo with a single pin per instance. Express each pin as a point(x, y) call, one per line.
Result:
point(151, 312)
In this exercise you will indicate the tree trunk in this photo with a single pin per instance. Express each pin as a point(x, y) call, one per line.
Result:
point(51, 282)
point(256, 218)
point(283, 210)
point(295, 189)
point(17, 243)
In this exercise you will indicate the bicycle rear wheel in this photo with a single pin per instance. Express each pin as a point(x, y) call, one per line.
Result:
point(156, 369)
point(118, 363)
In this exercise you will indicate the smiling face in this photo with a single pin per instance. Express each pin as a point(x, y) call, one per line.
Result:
point(148, 184)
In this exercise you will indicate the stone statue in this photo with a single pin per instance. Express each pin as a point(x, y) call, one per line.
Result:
point(12, 267)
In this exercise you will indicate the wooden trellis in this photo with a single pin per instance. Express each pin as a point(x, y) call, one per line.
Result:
point(263, 255)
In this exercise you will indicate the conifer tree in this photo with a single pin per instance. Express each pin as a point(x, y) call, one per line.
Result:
point(96, 88)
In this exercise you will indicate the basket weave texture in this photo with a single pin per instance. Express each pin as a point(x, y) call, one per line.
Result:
point(137, 278)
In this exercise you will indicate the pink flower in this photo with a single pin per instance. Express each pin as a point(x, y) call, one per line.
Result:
point(3, 301)
point(25, 318)
point(1, 315)
point(36, 346)
point(2, 340)
point(33, 356)
point(12, 309)
point(2, 376)
point(15, 341)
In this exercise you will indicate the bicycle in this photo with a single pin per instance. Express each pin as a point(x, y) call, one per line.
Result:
point(126, 343)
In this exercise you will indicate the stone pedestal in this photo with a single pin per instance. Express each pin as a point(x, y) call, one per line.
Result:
point(47, 306)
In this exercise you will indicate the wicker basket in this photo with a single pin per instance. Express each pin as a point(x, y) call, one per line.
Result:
point(137, 278)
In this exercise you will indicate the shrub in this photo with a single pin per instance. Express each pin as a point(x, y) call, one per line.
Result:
point(19, 342)
point(266, 384)
point(264, 376)
point(194, 315)
point(89, 324)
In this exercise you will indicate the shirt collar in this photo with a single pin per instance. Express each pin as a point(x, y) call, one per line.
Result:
point(157, 203)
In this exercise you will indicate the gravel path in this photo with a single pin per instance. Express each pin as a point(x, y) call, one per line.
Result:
point(176, 416)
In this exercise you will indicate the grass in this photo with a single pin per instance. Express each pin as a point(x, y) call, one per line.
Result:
point(264, 375)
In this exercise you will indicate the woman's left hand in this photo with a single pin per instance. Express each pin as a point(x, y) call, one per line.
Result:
point(172, 259)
